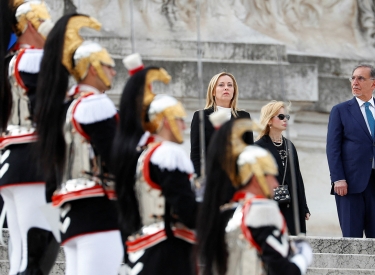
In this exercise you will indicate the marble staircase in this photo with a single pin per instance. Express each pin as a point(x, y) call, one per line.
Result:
point(342, 256)
point(58, 269)
point(332, 256)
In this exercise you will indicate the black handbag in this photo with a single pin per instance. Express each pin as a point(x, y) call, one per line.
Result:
point(282, 194)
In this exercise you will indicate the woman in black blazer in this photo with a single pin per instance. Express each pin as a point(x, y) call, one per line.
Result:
point(222, 93)
point(275, 119)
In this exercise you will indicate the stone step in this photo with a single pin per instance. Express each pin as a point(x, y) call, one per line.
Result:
point(339, 271)
point(345, 261)
point(4, 254)
point(342, 245)
point(341, 256)
point(58, 268)
point(331, 256)
point(296, 82)
point(311, 117)
point(272, 53)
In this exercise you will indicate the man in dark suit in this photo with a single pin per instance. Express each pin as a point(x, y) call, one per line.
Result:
point(350, 153)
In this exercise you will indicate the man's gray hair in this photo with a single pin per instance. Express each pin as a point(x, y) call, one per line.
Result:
point(372, 69)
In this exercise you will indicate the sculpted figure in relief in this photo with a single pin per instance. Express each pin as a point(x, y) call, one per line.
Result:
point(338, 27)
point(366, 16)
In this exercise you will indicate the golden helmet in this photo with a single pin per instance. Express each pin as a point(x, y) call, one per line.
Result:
point(79, 54)
point(36, 12)
point(243, 161)
point(258, 162)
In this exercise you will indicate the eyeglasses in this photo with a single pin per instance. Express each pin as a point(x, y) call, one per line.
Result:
point(282, 116)
point(359, 78)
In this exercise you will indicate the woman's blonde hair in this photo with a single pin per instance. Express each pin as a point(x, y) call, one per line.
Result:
point(210, 99)
point(269, 111)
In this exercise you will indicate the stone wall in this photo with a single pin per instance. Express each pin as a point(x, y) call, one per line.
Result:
point(296, 50)
point(328, 27)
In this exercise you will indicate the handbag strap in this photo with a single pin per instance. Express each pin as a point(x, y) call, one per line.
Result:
point(286, 160)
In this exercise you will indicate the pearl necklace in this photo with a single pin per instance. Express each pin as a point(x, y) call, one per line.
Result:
point(277, 144)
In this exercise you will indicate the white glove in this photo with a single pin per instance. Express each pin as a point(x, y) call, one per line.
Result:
point(303, 257)
point(305, 249)
point(199, 188)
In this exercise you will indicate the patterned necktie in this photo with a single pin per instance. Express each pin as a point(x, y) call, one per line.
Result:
point(370, 118)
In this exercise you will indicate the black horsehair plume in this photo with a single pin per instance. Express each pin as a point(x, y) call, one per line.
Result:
point(5, 31)
point(125, 151)
point(52, 85)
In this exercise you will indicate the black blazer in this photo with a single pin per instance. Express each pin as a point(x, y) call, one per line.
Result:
point(208, 132)
point(287, 210)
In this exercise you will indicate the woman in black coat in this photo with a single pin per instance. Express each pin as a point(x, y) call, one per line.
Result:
point(222, 93)
point(274, 117)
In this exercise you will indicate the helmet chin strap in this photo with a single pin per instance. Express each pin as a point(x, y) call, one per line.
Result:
point(103, 77)
point(175, 131)
point(45, 28)
point(259, 174)
point(263, 185)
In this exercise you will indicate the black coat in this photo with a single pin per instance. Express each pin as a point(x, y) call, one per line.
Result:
point(287, 209)
point(209, 130)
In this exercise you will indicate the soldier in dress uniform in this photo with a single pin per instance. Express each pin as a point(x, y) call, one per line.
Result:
point(248, 234)
point(33, 248)
point(153, 177)
point(76, 129)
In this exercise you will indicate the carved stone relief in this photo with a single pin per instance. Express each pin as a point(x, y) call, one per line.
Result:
point(324, 27)
point(366, 19)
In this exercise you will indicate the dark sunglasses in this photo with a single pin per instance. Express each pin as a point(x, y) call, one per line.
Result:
point(282, 116)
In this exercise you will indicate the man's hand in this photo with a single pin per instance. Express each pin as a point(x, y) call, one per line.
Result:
point(341, 188)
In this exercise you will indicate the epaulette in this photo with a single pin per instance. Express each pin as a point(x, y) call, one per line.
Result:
point(169, 155)
point(94, 108)
point(30, 61)
point(264, 212)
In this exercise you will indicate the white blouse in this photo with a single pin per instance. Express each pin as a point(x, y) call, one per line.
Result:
point(227, 110)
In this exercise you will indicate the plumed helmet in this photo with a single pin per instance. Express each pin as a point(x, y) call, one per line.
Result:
point(34, 11)
point(242, 161)
point(165, 107)
point(258, 162)
point(78, 54)
point(155, 108)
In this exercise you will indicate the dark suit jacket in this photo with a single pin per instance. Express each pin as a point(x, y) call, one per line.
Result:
point(208, 131)
point(350, 146)
point(287, 210)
